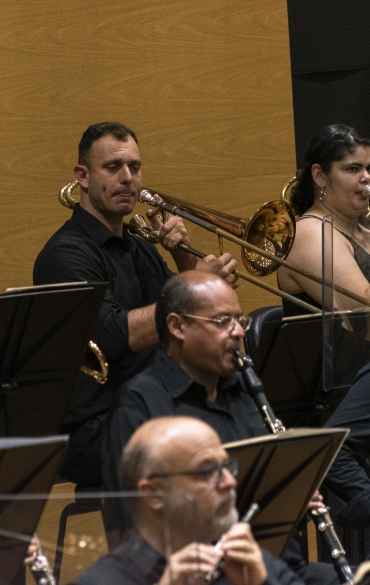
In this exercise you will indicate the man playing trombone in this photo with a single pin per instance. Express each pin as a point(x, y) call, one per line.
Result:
point(93, 246)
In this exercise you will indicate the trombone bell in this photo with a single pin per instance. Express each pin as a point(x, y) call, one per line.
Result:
point(272, 229)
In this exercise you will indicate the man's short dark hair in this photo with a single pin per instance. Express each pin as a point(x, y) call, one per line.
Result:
point(96, 131)
point(177, 297)
point(136, 463)
point(133, 466)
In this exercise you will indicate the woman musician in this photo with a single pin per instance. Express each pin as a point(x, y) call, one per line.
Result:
point(332, 181)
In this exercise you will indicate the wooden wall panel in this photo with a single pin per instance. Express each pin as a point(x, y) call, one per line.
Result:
point(206, 86)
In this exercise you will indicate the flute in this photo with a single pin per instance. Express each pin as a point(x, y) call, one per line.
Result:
point(248, 517)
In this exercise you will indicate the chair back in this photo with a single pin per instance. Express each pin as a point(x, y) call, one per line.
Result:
point(254, 334)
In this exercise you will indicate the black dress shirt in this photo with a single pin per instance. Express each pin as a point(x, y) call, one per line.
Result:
point(165, 389)
point(136, 563)
point(83, 249)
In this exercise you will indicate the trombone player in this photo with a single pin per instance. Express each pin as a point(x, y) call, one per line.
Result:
point(93, 246)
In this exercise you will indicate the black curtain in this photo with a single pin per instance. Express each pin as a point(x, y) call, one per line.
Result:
point(330, 60)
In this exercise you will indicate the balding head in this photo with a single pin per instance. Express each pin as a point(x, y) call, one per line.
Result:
point(167, 461)
point(160, 444)
point(187, 292)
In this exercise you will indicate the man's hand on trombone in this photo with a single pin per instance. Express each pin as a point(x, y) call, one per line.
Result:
point(222, 266)
point(173, 231)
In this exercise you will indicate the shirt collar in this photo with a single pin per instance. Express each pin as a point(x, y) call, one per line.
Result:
point(95, 229)
point(177, 381)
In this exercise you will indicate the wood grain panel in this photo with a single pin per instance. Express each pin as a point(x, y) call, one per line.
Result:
point(84, 541)
point(206, 86)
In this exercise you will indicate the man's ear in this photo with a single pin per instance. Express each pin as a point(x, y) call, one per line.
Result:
point(175, 325)
point(152, 491)
point(318, 175)
point(81, 174)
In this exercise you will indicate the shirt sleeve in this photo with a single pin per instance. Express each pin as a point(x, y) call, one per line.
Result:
point(78, 261)
point(278, 572)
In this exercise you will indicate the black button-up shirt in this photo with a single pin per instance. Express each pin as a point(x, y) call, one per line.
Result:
point(83, 249)
point(136, 563)
point(165, 389)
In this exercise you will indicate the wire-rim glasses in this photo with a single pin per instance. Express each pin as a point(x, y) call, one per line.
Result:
point(226, 323)
point(211, 473)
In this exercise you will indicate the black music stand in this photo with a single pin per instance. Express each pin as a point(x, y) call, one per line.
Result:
point(44, 334)
point(28, 466)
point(289, 362)
point(280, 473)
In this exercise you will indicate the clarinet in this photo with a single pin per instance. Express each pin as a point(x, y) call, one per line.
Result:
point(321, 517)
point(40, 568)
point(324, 525)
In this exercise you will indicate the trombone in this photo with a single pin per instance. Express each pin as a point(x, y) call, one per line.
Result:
point(266, 239)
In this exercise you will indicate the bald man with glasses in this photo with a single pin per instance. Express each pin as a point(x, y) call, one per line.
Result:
point(187, 505)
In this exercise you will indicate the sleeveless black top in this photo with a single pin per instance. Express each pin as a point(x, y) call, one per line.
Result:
point(362, 258)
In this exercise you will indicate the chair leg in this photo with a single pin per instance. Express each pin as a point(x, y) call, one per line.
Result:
point(69, 510)
point(72, 509)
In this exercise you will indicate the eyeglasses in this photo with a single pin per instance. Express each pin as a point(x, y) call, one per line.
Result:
point(211, 473)
point(226, 323)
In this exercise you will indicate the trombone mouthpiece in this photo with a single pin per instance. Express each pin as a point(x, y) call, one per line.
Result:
point(145, 196)
point(366, 191)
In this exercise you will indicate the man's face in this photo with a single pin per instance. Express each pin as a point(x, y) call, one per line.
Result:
point(207, 347)
point(202, 509)
point(113, 181)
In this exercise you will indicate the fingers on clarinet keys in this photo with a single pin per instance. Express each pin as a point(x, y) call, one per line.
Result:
point(248, 517)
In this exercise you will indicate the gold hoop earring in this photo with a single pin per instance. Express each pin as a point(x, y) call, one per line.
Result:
point(322, 195)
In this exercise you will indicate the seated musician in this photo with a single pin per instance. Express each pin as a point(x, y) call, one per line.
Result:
point(94, 246)
point(200, 324)
point(183, 458)
point(336, 170)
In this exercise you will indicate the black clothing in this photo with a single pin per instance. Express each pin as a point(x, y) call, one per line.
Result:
point(83, 249)
point(347, 477)
point(136, 563)
point(360, 255)
point(165, 389)
point(292, 310)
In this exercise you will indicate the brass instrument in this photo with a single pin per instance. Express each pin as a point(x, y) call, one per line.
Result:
point(266, 239)
point(239, 227)
point(272, 227)
point(137, 226)
point(214, 219)
point(102, 376)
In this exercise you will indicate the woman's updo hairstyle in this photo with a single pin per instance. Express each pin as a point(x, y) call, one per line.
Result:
point(331, 144)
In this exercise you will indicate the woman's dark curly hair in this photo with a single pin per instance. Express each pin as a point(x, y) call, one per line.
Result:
point(331, 144)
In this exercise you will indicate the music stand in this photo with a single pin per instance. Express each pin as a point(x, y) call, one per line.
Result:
point(28, 466)
point(44, 334)
point(289, 361)
point(280, 473)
